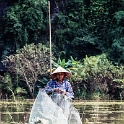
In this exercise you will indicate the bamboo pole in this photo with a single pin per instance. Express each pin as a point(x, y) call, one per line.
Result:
point(0, 117)
point(50, 39)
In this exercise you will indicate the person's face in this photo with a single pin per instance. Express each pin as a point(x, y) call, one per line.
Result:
point(60, 76)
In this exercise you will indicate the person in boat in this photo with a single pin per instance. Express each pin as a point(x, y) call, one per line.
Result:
point(59, 83)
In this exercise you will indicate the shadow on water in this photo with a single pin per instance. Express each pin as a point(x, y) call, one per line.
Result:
point(90, 112)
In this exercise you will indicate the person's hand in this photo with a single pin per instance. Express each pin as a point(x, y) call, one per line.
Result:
point(62, 92)
point(56, 89)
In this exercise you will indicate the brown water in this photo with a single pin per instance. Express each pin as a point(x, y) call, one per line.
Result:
point(90, 112)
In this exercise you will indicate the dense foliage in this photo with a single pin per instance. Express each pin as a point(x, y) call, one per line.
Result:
point(86, 30)
point(23, 23)
point(79, 28)
point(27, 67)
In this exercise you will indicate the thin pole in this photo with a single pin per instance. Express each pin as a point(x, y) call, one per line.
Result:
point(50, 39)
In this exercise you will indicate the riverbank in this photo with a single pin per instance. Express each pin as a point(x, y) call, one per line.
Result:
point(75, 102)
point(100, 102)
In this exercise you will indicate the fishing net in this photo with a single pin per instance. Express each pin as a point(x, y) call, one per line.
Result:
point(54, 109)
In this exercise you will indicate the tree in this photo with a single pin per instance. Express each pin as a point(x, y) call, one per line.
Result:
point(30, 63)
point(116, 53)
point(23, 23)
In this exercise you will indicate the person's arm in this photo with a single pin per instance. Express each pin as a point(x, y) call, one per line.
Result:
point(69, 90)
point(51, 87)
point(48, 88)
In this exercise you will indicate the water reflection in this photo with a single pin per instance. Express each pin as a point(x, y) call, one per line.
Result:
point(15, 112)
point(102, 112)
point(91, 112)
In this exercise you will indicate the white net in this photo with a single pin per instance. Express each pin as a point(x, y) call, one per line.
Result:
point(53, 110)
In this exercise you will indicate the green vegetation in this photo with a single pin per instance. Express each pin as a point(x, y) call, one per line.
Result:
point(87, 39)
point(25, 67)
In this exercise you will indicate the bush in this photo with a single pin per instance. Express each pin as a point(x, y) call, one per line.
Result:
point(30, 63)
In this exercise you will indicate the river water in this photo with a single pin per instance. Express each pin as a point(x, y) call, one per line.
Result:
point(91, 112)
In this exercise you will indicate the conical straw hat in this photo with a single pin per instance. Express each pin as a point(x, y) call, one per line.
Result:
point(58, 70)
